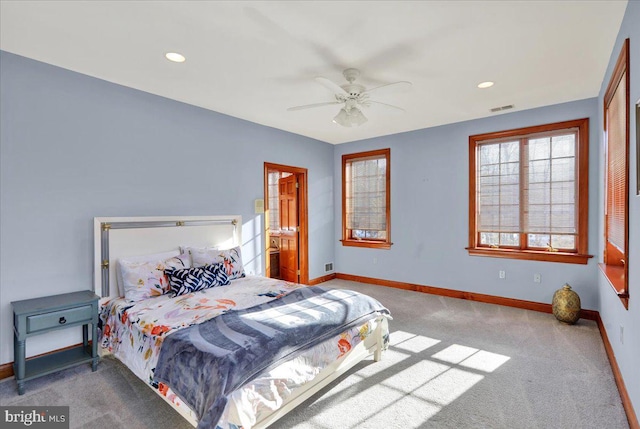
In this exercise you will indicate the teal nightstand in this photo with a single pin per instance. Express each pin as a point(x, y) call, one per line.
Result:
point(40, 315)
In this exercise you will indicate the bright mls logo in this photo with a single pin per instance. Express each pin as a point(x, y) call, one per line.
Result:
point(35, 417)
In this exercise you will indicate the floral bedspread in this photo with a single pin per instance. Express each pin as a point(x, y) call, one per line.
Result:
point(134, 332)
point(131, 330)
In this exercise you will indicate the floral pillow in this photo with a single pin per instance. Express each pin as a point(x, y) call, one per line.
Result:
point(142, 258)
point(190, 249)
point(201, 256)
point(187, 280)
point(231, 258)
point(146, 279)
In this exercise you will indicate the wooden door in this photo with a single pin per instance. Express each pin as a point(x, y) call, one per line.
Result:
point(288, 200)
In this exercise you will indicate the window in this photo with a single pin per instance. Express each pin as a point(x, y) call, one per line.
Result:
point(528, 193)
point(365, 199)
point(616, 223)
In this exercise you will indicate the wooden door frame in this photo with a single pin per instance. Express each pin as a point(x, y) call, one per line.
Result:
point(303, 212)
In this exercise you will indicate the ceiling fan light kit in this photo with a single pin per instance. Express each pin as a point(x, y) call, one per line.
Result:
point(352, 95)
point(350, 118)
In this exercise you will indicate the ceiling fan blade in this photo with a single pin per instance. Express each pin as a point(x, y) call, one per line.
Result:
point(309, 106)
point(278, 34)
point(403, 84)
point(332, 86)
point(396, 108)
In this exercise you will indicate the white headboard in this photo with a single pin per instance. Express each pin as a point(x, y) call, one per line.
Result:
point(120, 237)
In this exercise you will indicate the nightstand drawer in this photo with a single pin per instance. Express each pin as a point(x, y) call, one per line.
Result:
point(56, 319)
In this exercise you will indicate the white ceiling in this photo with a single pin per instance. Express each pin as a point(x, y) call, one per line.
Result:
point(253, 60)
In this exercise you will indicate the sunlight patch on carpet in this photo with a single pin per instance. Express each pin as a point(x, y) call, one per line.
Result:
point(396, 337)
point(485, 361)
point(455, 353)
point(448, 386)
point(414, 413)
point(354, 405)
point(471, 358)
point(389, 359)
point(421, 383)
point(415, 376)
point(412, 342)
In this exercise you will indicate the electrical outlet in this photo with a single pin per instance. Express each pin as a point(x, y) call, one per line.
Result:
point(537, 278)
point(621, 334)
point(502, 274)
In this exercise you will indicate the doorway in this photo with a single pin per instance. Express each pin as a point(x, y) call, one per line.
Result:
point(286, 223)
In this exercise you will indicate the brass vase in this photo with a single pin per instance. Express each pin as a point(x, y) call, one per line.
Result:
point(566, 305)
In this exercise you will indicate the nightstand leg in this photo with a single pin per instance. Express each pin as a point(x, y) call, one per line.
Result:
point(94, 346)
point(19, 363)
point(85, 336)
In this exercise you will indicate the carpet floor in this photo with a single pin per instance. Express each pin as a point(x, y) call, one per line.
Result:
point(451, 364)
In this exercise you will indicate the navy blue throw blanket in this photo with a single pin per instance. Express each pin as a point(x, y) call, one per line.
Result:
point(204, 363)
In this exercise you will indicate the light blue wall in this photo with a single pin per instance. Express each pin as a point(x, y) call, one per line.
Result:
point(612, 312)
point(75, 147)
point(430, 220)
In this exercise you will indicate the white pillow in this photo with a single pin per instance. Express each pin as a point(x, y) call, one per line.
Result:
point(142, 258)
point(231, 259)
point(204, 256)
point(147, 279)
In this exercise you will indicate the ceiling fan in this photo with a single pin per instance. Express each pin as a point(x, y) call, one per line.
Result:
point(353, 96)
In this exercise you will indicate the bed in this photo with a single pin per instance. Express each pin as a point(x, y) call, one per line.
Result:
point(161, 337)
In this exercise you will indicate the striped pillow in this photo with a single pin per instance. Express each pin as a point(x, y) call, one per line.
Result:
point(188, 280)
point(217, 274)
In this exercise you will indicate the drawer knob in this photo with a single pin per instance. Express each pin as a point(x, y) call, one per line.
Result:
point(62, 321)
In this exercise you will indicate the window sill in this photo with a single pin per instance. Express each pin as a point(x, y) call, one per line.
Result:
point(532, 255)
point(615, 275)
point(366, 243)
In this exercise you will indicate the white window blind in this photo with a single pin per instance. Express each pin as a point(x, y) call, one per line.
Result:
point(499, 193)
point(366, 198)
point(526, 192)
point(616, 167)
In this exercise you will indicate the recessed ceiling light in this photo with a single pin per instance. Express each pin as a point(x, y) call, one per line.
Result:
point(175, 57)
point(484, 85)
